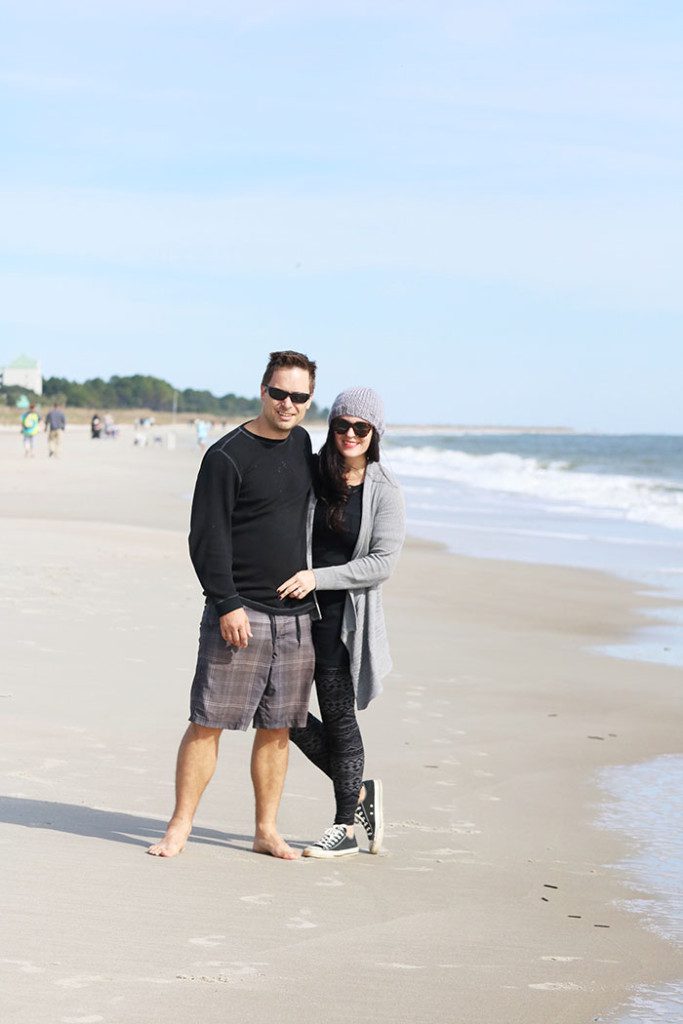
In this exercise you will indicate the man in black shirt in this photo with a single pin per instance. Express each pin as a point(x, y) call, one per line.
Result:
point(255, 662)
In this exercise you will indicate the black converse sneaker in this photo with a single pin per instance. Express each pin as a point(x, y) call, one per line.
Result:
point(370, 815)
point(334, 843)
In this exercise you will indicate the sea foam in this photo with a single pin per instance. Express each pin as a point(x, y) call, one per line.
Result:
point(635, 498)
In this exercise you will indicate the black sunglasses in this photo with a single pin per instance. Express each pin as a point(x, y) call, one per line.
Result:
point(340, 426)
point(297, 397)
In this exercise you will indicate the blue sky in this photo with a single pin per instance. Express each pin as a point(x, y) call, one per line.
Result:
point(473, 206)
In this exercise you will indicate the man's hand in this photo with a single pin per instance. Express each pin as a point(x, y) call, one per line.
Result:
point(235, 628)
point(299, 585)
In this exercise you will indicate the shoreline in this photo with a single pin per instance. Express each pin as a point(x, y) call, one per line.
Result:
point(484, 734)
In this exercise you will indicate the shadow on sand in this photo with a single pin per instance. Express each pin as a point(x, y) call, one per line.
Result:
point(112, 826)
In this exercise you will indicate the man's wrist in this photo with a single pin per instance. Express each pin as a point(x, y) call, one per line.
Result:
point(228, 604)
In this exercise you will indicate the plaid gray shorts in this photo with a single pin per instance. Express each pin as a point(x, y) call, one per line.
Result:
point(268, 682)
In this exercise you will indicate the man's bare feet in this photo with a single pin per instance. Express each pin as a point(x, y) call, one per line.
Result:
point(173, 842)
point(273, 844)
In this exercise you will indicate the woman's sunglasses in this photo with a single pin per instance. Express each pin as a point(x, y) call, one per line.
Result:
point(297, 397)
point(340, 426)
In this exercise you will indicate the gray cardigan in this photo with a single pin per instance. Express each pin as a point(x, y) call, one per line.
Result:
point(382, 531)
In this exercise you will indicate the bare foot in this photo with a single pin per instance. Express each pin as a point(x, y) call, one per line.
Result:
point(173, 842)
point(273, 844)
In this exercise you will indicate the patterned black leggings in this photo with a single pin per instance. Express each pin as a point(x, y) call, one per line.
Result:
point(335, 744)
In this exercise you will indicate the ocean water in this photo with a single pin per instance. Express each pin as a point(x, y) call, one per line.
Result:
point(644, 802)
point(603, 502)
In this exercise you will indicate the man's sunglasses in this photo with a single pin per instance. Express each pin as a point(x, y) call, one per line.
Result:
point(340, 426)
point(297, 397)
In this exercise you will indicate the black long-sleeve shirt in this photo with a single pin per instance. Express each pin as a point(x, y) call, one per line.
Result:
point(248, 523)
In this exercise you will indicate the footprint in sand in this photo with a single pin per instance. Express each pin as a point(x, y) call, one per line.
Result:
point(455, 828)
point(78, 981)
point(420, 870)
point(237, 969)
point(27, 777)
point(556, 986)
point(261, 899)
point(25, 966)
point(402, 967)
point(301, 921)
point(208, 940)
point(330, 881)
point(93, 1018)
point(446, 851)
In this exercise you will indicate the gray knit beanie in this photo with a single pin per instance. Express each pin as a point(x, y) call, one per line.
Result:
point(363, 403)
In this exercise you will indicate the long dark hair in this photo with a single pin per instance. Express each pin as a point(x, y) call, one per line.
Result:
point(332, 487)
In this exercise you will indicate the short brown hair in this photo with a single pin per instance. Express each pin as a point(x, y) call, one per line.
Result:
point(283, 360)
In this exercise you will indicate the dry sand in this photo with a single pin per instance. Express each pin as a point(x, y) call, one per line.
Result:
point(482, 738)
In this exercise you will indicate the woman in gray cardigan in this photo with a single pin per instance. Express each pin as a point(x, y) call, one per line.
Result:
point(358, 526)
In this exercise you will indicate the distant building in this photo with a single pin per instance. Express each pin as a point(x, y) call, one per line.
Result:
point(24, 372)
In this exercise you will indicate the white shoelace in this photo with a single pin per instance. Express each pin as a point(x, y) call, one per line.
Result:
point(332, 836)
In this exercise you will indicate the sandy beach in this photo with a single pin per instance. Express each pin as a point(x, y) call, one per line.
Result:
point(495, 900)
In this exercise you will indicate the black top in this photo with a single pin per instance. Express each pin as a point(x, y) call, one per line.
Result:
point(331, 548)
point(248, 523)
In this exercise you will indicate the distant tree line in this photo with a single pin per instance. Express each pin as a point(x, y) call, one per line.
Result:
point(142, 392)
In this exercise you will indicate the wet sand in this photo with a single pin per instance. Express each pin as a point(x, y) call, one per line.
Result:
point(495, 899)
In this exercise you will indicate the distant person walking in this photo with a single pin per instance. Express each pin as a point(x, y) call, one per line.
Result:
point(30, 425)
point(255, 659)
point(110, 429)
point(202, 429)
point(55, 425)
point(96, 426)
